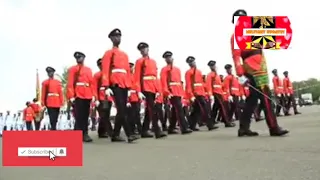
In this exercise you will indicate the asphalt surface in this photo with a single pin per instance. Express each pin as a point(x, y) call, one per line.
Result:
point(218, 155)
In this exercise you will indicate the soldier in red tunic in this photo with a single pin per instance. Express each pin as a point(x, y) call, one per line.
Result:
point(251, 67)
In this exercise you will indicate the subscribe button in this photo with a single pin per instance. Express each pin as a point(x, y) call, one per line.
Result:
point(42, 151)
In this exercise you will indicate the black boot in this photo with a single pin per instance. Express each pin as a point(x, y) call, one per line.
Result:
point(86, 138)
point(132, 138)
point(160, 135)
point(287, 114)
point(195, 129)
point(164, 127)
point(103, 135)
point(229, 124)
point(186, 131)
point(278, 132)
point(212, 127)
point(247, 132)
point(117, 139)
point(296, 113)
point(146, 134)
point(172, 131)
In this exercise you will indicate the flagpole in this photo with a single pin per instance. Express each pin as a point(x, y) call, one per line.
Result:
point(37, 85)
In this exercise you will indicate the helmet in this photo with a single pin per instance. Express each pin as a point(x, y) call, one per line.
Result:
point(239, 12)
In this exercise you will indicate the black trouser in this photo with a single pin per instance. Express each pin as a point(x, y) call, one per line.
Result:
point(134, 117)
point(104, 110)
point(120, 100)
point(234, 108)
point(37, 125)
point(82, 111)
point(160, 114)
point(29, 125)
point(178, 112)
point(257, 111)
point(281, 104)
point(150, 114)
point(167, 114)
point(53, 117)
point(200, 110)
point(251, 103)
point(221, 106)
point(291, 102)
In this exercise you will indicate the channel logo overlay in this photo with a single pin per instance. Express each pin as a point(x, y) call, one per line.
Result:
point(42, 148)
point(262, 32)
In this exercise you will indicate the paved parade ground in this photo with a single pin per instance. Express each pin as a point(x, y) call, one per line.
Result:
point(218, 155)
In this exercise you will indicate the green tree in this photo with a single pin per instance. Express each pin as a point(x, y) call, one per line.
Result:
point(311, 85)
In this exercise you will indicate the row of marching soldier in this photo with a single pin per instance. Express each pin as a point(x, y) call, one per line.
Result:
point(127, 85)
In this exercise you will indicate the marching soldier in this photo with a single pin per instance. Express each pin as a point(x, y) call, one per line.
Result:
point(28, 116)
point(214, 86)
point(134, 106)
point(254, 73)
point(116, 80)
point(146, 79)
point(52, 97)
point(103, 106)
point(81, 92)
point(232, 86)
point(278, 91)
point(170, 77)
point(288, 90)
point(196, 93)
point(37, 110)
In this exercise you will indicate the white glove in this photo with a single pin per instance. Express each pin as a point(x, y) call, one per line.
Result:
point(211, 98)
point(279, 95)
point(129, 93)
point(97, 103)
point(258, 101)
point(243, 97)
point(141, 96)
point(212, 103)
point(288, 94)
point(193, 99)
point(128, 104)
point(93, 99)
point(230, 99)
point(243, 80)
point(72, 100)
point(157, 94)
point(108, 92)
point(169, 96)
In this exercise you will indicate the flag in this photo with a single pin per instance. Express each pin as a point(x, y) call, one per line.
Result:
point(38, 96)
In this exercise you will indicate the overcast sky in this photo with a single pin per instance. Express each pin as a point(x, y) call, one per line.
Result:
point(38, 33)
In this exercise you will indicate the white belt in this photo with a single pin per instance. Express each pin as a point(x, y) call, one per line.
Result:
point(246, 88)
point(102, 88)
point(28, 114)
point(235, 89)
point(217, 86)
point(53, 94)
point(280, 87)
point(175, 83)
point(290, 87)
point(82, 84)
point(132, 91)
point(224, 93)
point(197, 84)
point(118, 71)
point(149, 78)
